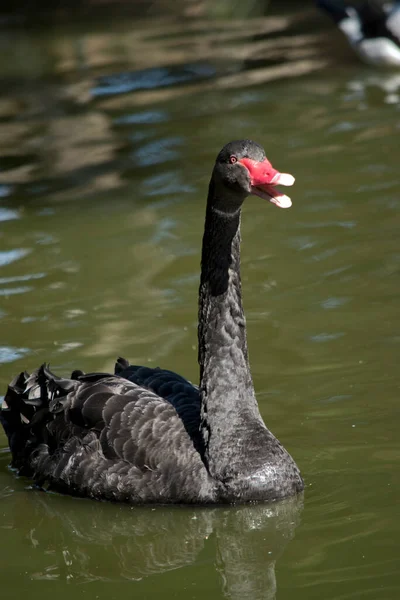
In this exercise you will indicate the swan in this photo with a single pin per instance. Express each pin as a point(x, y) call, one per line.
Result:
point(372, 30)
point(147, 435)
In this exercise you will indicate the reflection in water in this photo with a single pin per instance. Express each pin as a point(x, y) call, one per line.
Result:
point(71, 538)
point(249, 542)
point(62, 107)
point(387, 83)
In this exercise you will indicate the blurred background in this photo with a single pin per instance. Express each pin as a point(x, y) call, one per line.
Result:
point(111, 116)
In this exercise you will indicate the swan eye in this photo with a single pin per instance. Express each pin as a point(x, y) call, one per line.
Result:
point(232, 159)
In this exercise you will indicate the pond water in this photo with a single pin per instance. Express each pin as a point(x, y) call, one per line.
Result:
point(108, 135)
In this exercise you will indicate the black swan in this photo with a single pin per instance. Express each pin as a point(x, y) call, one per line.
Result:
point(372, 29)
point(148, 435)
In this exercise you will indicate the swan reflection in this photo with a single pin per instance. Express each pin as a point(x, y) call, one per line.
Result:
point(84, 541)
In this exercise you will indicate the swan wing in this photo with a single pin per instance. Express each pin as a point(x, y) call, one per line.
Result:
point(178, 391)
point(103, 436)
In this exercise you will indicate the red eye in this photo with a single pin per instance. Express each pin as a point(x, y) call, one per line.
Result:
point(233, 159)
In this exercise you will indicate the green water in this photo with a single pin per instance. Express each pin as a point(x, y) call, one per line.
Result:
point(104, 166)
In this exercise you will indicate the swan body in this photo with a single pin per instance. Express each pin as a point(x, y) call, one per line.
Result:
point(372, 30)
point(145, 435)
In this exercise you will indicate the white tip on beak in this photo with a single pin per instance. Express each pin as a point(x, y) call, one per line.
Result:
point(283, 179)
point(282, 201)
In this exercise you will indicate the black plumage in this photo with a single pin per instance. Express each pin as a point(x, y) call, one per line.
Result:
point(148, 435)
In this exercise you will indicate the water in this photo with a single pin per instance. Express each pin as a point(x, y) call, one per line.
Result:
point(107, 140)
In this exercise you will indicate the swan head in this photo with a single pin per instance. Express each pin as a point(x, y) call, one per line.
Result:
point(242, 169)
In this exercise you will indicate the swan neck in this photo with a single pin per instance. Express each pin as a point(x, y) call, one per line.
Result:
point(221, 317)
point(226, 386)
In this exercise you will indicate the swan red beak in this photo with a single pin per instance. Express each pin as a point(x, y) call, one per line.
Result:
point(264, 178)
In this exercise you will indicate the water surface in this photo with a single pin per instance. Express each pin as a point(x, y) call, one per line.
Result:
point(107, 140)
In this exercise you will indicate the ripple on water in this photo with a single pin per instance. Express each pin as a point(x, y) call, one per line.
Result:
point(334, 302)
point(30, 319)
point(46, 212)
point(148, 79)
point(327, 224)
point(326, 337)
point(167, 184)
point(10, 354)
point(17, 290)
point(7, 214)
point(10, 256)
point(7, 491)
point(302, 242)
point(158, 151)
point(27, 277)
point(66, 346)
point(142, 118)
point(22, 289)
point(5, 190)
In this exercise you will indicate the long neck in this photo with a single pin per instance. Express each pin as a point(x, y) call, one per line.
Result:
point(226, 386)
